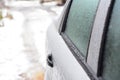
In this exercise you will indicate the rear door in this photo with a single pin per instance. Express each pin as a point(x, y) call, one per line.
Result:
point(70, 48)
point(76, 33)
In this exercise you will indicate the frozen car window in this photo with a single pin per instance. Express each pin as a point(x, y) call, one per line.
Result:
point(111, 64)
point(80, 21)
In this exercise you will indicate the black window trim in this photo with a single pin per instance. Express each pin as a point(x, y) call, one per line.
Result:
point(94, 58)
point(65, 15)
point(103, 43)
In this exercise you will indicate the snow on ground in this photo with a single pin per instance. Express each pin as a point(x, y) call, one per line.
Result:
point(24, 3)
point(22, 41)
point(11, 45)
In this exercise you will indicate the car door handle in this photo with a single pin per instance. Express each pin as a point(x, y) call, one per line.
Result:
point(50, 60)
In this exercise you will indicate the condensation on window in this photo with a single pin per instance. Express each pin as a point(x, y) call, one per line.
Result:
point(80, 21)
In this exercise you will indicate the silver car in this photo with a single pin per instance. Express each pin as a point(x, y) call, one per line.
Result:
point(84, 44)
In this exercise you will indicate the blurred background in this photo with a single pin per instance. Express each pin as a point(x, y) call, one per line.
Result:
point(23, 26)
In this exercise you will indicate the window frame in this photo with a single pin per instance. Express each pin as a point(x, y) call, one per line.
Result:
point(64, 17)
point(98, 36)
point(100, 69)
point(84, 62)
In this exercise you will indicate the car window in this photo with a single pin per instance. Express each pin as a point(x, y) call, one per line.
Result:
point(79, 23)
point(111, 64)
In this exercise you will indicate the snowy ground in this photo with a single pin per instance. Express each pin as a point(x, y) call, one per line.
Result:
point(22, 40)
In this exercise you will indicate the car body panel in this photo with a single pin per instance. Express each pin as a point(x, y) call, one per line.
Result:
point(63, 58)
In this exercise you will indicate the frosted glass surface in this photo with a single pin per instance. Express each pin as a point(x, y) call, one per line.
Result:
point(80, 21)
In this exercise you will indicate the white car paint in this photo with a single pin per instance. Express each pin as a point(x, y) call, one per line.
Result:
point(65, 64)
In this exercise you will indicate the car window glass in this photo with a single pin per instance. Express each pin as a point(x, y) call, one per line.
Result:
point(79, 23)
point(111, 64)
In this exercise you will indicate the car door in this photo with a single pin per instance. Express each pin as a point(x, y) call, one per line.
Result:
point(72, 48)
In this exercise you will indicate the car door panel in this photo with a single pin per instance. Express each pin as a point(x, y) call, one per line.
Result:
point(63, 58)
